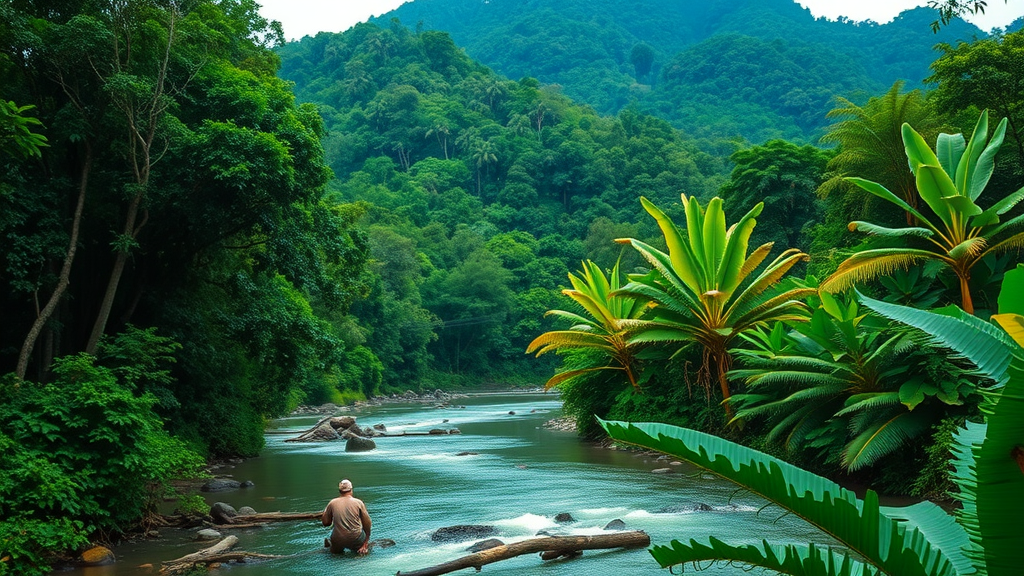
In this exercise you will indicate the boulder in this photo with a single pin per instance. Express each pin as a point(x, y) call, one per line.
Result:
point(207, 534)
point(485, 545)
point(357, 431)
point(246, 511)
point(357, 444)
point(437, 431)
point(564, 518)
point(322, 433)
point(455, 431)
point(615, 525)
point(381, 543)
point(96, 556)
point(342, 422)
point(247, 484)
point(380, 427)
point(220, 485)
point(462, 532)
point(222, 513)
point(511, 412)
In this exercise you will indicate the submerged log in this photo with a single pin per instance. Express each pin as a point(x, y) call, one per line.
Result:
point(219, 552)
point(553, 547)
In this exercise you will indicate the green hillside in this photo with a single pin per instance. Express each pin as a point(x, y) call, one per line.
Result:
point(773, 47)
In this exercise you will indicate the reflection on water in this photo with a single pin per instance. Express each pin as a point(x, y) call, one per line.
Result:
point(521, 476)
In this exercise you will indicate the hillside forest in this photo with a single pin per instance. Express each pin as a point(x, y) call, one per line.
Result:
point(204, 226)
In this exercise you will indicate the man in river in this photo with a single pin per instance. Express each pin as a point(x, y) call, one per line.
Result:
point(349, 520)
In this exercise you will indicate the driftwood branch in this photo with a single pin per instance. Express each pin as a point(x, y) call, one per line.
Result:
point(553, 547)
point(219, 552)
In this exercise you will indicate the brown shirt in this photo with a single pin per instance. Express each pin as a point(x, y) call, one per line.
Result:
point(345, 514)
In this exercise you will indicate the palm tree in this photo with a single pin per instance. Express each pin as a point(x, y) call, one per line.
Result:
point(959, 233)
point(482, 155)
point(921, 539)
point(697, 290)
point(604, 331)
point(870, 141)
point(441, 131)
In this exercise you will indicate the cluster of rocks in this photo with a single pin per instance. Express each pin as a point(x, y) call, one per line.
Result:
point(564, 424)
point(357, 438)
point(440, 397)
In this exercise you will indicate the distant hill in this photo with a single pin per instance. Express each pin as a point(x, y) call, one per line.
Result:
point(755, 68)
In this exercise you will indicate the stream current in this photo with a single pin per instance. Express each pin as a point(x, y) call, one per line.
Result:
point(519, 478)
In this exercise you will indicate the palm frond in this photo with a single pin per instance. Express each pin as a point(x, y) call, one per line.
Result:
point(870, 264)
point(883, 438)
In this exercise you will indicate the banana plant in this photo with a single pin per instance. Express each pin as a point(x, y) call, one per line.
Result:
point(605, 331)
point(844, 383)
point(698, 291)
point(957, 233)
point(982, 538)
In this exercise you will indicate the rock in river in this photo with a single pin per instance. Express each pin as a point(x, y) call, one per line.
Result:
point(207, 534)
point(462, 532)
point(222, 513)
point(220, 485)
point(485, 545)
point(342, 422)
point(358, 444)
point(246, 511)
point(564, 518)
point(96, 556)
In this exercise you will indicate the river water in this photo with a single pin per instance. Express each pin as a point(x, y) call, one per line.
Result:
point(521, 476)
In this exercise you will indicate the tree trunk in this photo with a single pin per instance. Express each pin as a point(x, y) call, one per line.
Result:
point(722, 359)
point(562, 544)
point(65, 273)
point(115, 276)
point(965, 291)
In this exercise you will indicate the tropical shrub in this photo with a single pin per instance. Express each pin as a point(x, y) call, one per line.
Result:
point(605, 332)
point(845, 385)
point(81, 454)
point(957, 233)
point(922, 539)
point(698, 292)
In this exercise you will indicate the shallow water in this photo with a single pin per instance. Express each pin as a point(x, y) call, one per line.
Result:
point(521, 477)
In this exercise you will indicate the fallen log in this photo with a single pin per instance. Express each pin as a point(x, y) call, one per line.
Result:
point(563, 545)
point(264, 517)
point(306, 434)
point(219, 552)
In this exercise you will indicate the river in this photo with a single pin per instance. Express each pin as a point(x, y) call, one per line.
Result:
point(521, 476)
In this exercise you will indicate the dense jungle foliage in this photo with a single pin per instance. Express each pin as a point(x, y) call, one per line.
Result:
point(204, 227)
point(754, 68)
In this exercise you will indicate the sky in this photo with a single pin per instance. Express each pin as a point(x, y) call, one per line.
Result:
point(307, 17)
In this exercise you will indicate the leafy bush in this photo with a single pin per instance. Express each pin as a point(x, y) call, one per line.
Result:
point(82, 454)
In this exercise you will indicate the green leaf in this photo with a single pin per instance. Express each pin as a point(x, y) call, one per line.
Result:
point(1011, 294)
point(877, 230)
point(949, 148)
point(990, 354)
point(991, 216)
point(858, 524)
point(884, 193)
point(986, 163)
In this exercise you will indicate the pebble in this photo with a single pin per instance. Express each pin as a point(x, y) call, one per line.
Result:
point(661, 470)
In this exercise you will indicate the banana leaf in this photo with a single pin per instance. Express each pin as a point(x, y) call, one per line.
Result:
point(882, 541)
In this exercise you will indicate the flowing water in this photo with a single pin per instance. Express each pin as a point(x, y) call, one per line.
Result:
point(521, 476)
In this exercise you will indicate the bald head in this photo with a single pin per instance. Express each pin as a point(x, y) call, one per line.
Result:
point(345, 486)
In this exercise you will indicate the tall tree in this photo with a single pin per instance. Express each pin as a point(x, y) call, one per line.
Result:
point(870, 142)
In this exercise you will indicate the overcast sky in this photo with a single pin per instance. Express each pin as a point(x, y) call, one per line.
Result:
point(307, 17)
